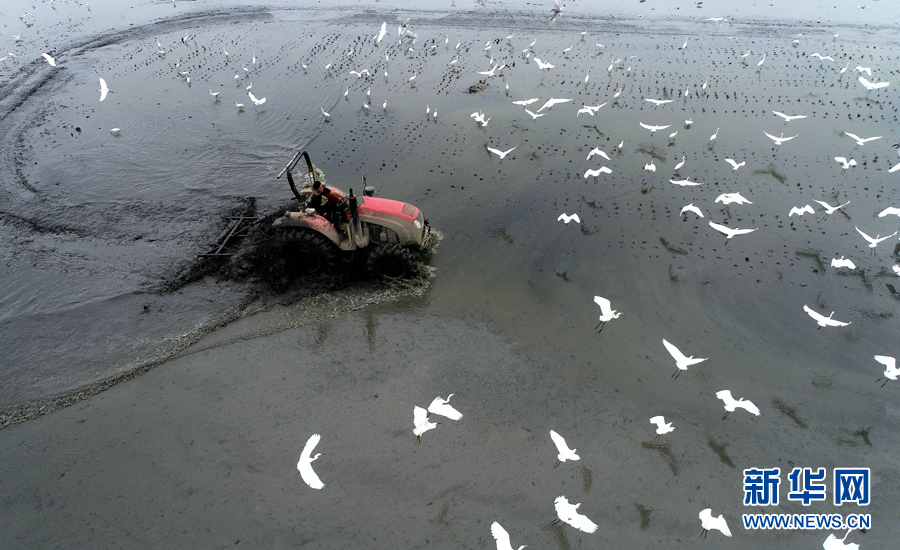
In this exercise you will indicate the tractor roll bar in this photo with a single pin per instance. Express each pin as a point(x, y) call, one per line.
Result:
point(290, 167)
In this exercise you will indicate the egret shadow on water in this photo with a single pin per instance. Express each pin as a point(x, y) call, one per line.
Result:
point(587, 477)
point(559, 535)
point(645, 515)
point(665, 450)
point(719, 449)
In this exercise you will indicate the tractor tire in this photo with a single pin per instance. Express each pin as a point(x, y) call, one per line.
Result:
point(392, 262)
point(306, 251)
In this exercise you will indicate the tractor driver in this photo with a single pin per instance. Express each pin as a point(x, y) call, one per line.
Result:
point(326, 202)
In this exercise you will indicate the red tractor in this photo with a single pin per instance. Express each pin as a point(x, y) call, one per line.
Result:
point(388, 233)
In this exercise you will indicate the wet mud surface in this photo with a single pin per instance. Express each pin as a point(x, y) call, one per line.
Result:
point(100, 235)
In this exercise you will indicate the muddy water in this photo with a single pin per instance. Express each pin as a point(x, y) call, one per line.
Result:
point(100, 229)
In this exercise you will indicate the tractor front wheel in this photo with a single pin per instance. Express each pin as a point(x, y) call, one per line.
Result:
point(392, 262)
point(306, 251)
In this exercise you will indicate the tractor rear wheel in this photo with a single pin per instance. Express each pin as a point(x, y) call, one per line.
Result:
point(306, 251)
point(392, 262)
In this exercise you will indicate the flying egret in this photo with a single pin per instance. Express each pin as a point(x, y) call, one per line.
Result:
point(680, 164)
point(709, 522)
point(597, 151)
point(729, 232)
point(823, 321)
point(564, 452)
point(569, 514)
point(821, 57)
point(681, 360)
point(873, 242)
point(731, 404)
point(360, 73)
point(534, 116)
point(691, 208)
point(860, 69)
point(381, 32)
point(49, 59)
point(502, 537)
point(890, 368)
point(728, 198)
point(788, 118)
point(659, 102)
point(597, 172)
point(779, 140)
point(653, 129)
point(607, 313)
point(421, 423)
point(685, 182)
point(834, 543)
point(551, 102)
point(841, 262)
point(555, 10)
point(888, 211)
point(254, 100)
point(565, 218)
point(872, 85)
point(734, 164)
point(650, 167)
point(105, 90)
point(499, 153)
point(304, 465)
point(805, 209)
point(861, 141)
point(542, 65)
point(845, 163)
point(526, 101)
point(662, 427)
point(442, 407)
point(830, 209)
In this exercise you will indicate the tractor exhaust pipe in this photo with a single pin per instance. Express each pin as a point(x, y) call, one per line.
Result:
point(356, 231)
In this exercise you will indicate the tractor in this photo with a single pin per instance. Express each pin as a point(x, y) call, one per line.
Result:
point(386, 235)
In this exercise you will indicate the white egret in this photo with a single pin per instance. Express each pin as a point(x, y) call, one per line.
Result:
point(526, 101)
point(607, 313)
point(659, 102)
point(327, 115)
point(499, 153)
point(673, 134)
point(872, 85)
point(502, 537)
point(360, 73)
point(681, 360)
point(597, 172)
point(413, 77)
point(805, 209)
point(779, 140)
point(788, 118)
point(421, 423)
point(534, 115)
point(685, 182)
point(860, 69)
point(650, 167)
point(709, 522)
point(597, 151)
point(684, 46)
point(687, 92)
point(565, 218)
point(734, 164)
point(346, 92)
point(618, 93)
point(705, 84)
point(621, 144)
point(821, 57)
point(556, 9)
point(890, 368)
point(731, 404)
point(490, 72)
point(568, 513)
point(745, 56)
point(844, 70)
point(105, 90)
point(834, 543)
point(115, 131)
point(823, 321)
point(587, 76)
point(873, 242)
point(215, 95)
point(729, 232)
point(381, 32)
point(691, 208)
point(551, 102)
point(713, 137)
point(890, 210)
point(564, 453)
point(861, 141)
point(442, 407)
point(680, 164)
point(49, 59)
point(240, 106)
point(845, 164)
point(761, 61)
point(384, 105)
point(256, 101)
point(653, 129)
point(841, 262)
point(542, 65)
point(728, 198)
point(304, 465)
point(326, 66)
point(830, 209)
point(662, 427)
